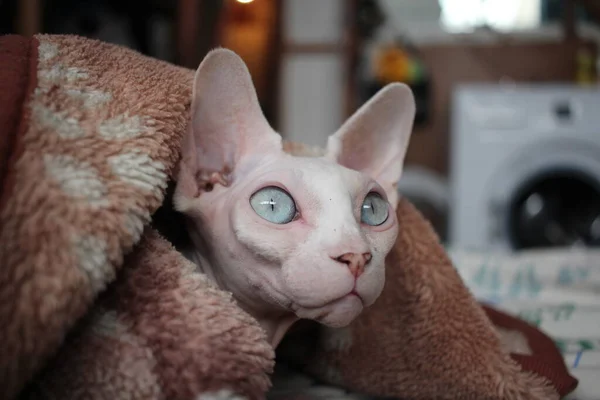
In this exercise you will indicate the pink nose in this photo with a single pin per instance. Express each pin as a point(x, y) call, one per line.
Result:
point(355, 262)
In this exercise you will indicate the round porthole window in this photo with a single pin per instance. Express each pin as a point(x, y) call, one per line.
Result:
point(556, 209)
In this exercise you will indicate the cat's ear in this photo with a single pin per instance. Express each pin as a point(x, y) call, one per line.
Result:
point(227, 124)
point(374, 140)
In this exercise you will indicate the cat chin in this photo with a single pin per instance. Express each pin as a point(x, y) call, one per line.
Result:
point(336, 314)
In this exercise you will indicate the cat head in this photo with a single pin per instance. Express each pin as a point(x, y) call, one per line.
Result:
point(287, 234)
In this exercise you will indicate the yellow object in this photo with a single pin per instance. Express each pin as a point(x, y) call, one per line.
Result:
point(393, 65)
point(585, 68)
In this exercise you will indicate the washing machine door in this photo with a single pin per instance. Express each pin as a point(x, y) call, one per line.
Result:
point(548, 196)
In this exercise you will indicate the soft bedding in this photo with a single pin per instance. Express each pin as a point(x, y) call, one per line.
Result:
point(556, 290)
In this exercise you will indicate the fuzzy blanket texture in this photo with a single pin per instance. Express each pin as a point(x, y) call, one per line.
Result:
point(95, 304)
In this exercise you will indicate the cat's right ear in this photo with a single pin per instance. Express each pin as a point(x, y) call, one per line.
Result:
point(227, 124)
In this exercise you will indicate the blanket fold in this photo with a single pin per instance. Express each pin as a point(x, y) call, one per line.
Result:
point(161, 331)
point(95, 304)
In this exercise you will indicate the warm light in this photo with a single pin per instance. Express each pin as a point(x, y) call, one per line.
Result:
point(245, 1)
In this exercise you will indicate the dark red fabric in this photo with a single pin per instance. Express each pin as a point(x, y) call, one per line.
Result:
point(546, 359)
point(18, 72)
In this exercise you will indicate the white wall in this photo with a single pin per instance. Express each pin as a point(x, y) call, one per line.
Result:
point(312, 84)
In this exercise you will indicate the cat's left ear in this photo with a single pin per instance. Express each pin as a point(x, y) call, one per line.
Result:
point(374, 140)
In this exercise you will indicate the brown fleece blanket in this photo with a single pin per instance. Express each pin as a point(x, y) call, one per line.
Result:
point(94, 304)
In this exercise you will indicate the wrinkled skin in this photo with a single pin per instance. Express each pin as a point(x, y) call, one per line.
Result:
point(327, 263)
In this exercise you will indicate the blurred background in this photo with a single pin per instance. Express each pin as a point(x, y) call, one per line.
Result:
point(506, 146)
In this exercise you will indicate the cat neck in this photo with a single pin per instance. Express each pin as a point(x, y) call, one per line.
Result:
point(274, 323)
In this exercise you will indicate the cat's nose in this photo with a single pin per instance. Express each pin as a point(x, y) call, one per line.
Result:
point(356, 262)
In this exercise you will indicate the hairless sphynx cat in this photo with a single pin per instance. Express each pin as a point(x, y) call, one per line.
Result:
point(291, 237)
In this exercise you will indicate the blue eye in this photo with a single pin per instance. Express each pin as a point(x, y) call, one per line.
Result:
point(274, 204)
point(374, 210)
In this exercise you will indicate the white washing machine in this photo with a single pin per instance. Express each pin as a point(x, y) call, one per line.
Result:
point(524, 167)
